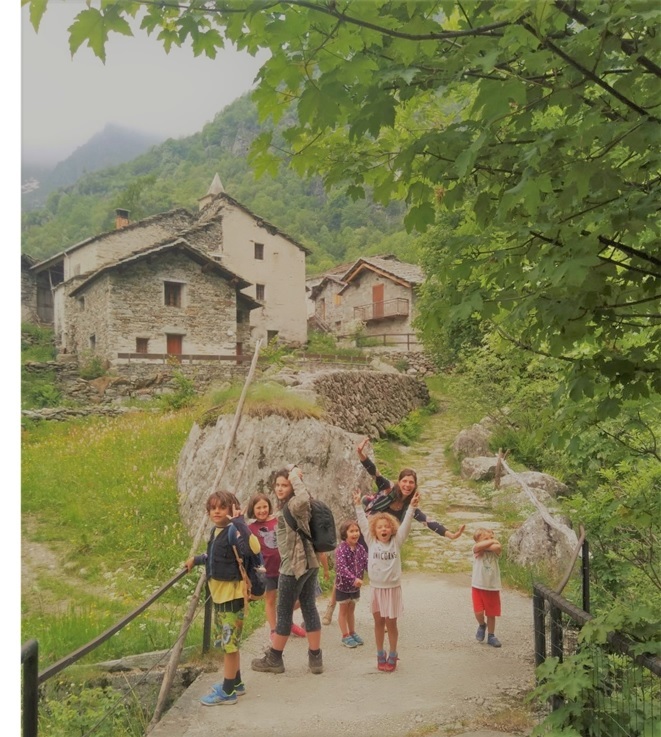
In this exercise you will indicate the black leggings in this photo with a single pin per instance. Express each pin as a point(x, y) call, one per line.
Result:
point(303, 589)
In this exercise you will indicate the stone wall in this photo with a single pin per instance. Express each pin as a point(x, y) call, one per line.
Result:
point(366, 402)
point(359, 401)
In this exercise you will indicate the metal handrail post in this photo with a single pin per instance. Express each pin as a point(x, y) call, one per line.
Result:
point(30, 661)
point(585, 568)
point(539, 628)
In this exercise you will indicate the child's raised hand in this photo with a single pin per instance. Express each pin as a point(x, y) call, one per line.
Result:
point(455, 535)
point(356, 497)
point(361, 448)
point(416, 500)
point(236, 512)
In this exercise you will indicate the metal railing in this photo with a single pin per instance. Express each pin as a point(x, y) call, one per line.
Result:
point(398, 307)
point(32, 679)
point(407, 340)
point(625, 692)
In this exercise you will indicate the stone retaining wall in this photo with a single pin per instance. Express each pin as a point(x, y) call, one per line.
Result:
point(366, 402)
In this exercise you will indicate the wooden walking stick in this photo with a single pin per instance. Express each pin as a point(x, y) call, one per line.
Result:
point(171, 668)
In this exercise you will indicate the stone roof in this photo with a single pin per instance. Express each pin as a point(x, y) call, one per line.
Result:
point(390, 266)
point(172, 244)
point(269, 227)
point(152, 219)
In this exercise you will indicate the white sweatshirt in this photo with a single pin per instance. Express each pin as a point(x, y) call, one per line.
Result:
point(384, 563)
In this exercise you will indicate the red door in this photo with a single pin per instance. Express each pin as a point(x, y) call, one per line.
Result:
point(377, 300)
point(174, 345)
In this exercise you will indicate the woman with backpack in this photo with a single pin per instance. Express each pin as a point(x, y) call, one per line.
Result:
point(297, 580)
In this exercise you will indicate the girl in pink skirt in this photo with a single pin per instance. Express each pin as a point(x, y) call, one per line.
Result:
point(385, 537)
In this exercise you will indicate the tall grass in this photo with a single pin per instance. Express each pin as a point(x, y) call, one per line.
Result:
point(101, 492)
point(262, 399)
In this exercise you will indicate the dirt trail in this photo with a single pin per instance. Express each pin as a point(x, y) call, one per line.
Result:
point(445, 683)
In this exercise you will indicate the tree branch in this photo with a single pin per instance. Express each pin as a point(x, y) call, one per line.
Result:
point(625, 44)
point(586, 72)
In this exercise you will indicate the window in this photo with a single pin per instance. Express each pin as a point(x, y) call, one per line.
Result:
point(92, 342)
point(261, 289)
point(142, 345)
point(259, 251)
point(337, 299)
point(81, 303)
point(271, 335)
point(172, 294)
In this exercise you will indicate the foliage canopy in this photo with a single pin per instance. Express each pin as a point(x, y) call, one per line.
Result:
point(535, 125)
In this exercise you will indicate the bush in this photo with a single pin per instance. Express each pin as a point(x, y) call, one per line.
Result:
point(101, 711)
point(184, 394)
point(91, 367)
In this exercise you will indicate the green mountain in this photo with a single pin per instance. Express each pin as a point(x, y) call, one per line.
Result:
point(113, 145)
point(178, 172)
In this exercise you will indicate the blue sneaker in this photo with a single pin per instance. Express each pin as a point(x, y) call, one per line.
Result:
point(218, 697)
point(348, 641)
point(493, 641)
point(239, 690)
point(357, 639)
point(481, 632)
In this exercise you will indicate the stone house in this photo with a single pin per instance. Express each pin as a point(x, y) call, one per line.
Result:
point(168, 299)
point(224, 240)
point(374, 295)
point(273, 261)
point(29, 291)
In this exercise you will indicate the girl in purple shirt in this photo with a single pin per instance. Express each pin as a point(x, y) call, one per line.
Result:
point(350, 567)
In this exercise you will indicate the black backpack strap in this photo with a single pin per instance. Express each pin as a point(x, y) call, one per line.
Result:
point(289, 519)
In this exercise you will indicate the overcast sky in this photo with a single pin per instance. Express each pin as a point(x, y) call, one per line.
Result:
point(65, 101)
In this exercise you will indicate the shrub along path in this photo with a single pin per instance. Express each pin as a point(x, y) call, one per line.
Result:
point(445, 683)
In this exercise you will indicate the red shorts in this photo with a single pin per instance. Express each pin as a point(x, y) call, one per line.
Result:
point(486, 601)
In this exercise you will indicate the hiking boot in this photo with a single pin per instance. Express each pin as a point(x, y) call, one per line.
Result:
point(391, 663)
point(218, 697)
point(349, 641)
point(381, 660)
point(297, 631)
point(481, 632)
point(328, 614)
point(315, 662)
point(358, 639)
point(493, 641)
point(270, 663)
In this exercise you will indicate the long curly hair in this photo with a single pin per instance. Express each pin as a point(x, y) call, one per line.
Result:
point(392, 521)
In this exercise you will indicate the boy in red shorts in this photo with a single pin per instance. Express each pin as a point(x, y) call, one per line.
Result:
point(486, 584)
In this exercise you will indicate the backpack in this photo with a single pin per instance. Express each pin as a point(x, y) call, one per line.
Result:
point(253, 573)
point(322, 526)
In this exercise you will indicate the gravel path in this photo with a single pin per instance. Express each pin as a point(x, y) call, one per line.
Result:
point(445, 683)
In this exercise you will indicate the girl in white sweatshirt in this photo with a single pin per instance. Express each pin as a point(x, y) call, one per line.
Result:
point(385, 537)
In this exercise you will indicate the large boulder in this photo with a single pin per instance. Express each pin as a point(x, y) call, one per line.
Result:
point(536, 480)
point(263, 445)
point(538, 544)
point(481, 468)
point(472, 442)
point(517, 497)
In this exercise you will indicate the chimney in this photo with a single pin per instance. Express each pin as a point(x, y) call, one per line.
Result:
point(121, 218)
